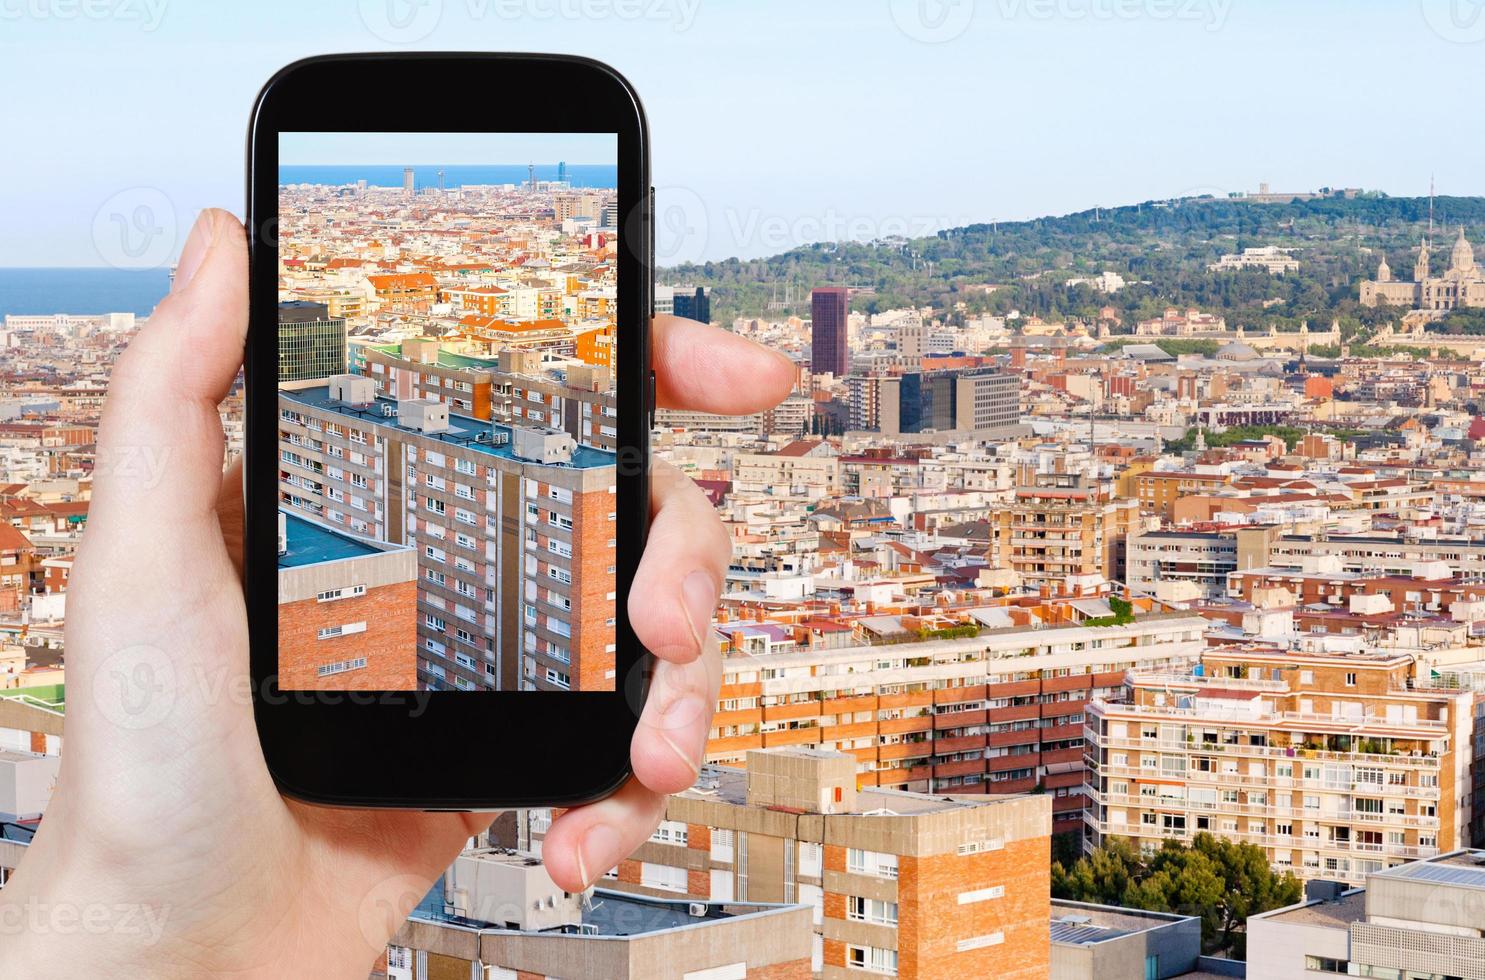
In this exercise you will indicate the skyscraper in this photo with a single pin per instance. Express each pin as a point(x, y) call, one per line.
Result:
point(407, 181)
point(311, 342)
point(829, 306)
point(693, 305)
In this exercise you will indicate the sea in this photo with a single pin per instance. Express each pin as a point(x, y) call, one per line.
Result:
point(38, 292)
point(454, 175)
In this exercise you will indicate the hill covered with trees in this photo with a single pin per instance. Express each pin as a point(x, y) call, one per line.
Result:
point(1161, 248)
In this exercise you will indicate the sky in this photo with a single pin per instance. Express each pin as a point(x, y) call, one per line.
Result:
point(403, 149)
point(774, 122)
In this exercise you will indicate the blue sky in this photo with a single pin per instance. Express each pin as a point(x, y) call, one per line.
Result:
point(777, 122)
point(401, 149)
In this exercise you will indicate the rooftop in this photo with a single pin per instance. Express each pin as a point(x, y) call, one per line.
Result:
point(1081, 923)
point(462, 429)
point(606, 914)
point(311, 544)
point(1463, 869)
point(1337, 912)
point(730, 785)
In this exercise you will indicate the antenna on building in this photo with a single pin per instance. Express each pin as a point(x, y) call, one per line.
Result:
point(1430, 209)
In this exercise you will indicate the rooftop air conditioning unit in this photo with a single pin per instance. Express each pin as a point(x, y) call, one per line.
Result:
point(697, 909)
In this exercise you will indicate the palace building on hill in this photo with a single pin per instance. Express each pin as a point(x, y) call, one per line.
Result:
point(1463, 285)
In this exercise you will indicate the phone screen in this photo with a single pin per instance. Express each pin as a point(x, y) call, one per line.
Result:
point(447, 411)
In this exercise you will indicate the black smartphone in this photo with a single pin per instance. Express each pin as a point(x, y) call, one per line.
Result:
point(449, 400)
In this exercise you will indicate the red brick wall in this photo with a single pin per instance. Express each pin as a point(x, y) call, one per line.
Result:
point(629, 872)
point(792, 970)
point(931, 921)
point(390, 643)
point(591, 584)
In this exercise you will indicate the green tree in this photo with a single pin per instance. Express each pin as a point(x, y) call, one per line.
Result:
point(1220, 882)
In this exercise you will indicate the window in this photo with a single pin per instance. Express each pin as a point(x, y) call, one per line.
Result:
point(340, 667)
point(721, 845)
point(872, 959)
point(810, 859)
point(875, 863)
point(663, 877)
point(871, 910)
point(980, 942)
point(345, 629)
point(1350, 678)
point(982, 894)
point(671, 832)
point(348, 592)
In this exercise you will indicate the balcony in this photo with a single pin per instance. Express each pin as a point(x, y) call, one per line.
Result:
point(898, 726)
point(1015, 712)
point(950, 770)
point(958, 719)
point(1072, 682)
point(959, 743)
point(1005, 763)
point(1025, 736)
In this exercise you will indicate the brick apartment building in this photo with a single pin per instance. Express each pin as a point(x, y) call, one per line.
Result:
point(1001, 712)
point(513, 527)
point(901, 883)
point(347, 611)
point(1337, 765)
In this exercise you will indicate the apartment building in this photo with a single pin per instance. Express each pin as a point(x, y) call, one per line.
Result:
point(1379, 553)
point(1061, 525)
point(998, 712)
point(497, 915)
point(513, 527)
point(1192, 563)
point(902, 884)
point(513, 387)
point(1420, 919)
point(1337, 765)
point(347, 610)
point(1158, 490)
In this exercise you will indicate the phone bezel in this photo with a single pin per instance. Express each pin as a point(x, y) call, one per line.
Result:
point(446, 750)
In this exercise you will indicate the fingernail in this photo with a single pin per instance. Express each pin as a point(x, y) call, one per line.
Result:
point(699, 596)
point(197, 244)
point(599, 851)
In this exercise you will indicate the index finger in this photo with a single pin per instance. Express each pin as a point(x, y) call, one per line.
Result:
point(706, 369)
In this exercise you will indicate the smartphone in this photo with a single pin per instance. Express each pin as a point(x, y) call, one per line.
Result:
point(449, 400)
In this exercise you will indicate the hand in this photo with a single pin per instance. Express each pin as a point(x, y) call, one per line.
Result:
point(166, 850)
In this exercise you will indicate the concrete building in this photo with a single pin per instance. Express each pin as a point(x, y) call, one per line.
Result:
point(1336, 765)
point(347, 610)
point(904, 884)
point(1420, 919)
point(976, 400)
point(515, 555)
point(1163, 563)
point(497, 915)
point(1104, 942)
point(1001, 712)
